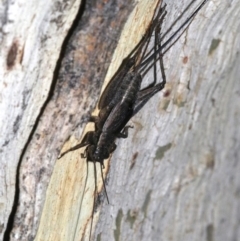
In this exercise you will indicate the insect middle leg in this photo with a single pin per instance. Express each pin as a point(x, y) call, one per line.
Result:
point(124, 132)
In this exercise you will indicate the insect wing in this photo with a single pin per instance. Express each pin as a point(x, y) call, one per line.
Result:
point(113, 86)
point(118, 118)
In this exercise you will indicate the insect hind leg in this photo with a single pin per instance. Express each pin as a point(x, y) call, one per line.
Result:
point(145, 94)
point(150, 60)
point(158, 56)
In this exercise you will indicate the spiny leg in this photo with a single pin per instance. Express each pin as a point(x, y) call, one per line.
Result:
point(158, 20)
point(142, 51)
point(151, 58)
point(160, 55)
point(157, 46)
point(147, 93)
point(87, 139)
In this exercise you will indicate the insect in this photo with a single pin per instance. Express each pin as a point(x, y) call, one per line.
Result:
point(123, 96)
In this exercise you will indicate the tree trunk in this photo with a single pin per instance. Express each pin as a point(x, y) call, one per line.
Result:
point(176, 177)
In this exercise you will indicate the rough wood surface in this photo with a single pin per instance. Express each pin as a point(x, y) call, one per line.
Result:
point(177, 175)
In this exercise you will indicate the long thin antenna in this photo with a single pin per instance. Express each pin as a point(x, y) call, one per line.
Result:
point(150, 58)
point(104, 186)
point(94, 198)
point(79, 211)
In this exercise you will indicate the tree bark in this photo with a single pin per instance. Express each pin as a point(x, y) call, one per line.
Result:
point(176, 177)
point(29, 52)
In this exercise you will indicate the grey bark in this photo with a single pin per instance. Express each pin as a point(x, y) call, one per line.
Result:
point(185, 181)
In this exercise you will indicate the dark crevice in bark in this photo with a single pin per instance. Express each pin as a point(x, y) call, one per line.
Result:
point(10, 222)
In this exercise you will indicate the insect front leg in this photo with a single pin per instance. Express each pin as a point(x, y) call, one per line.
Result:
point(89, 138)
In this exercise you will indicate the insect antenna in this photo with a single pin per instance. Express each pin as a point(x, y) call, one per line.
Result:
point(104, 186)
point(94, 197)
point(79, 211)
point(182, 28)
point(186, 23)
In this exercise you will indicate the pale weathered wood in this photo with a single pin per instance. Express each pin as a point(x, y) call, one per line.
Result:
point(177, 175)
point(72, 181)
